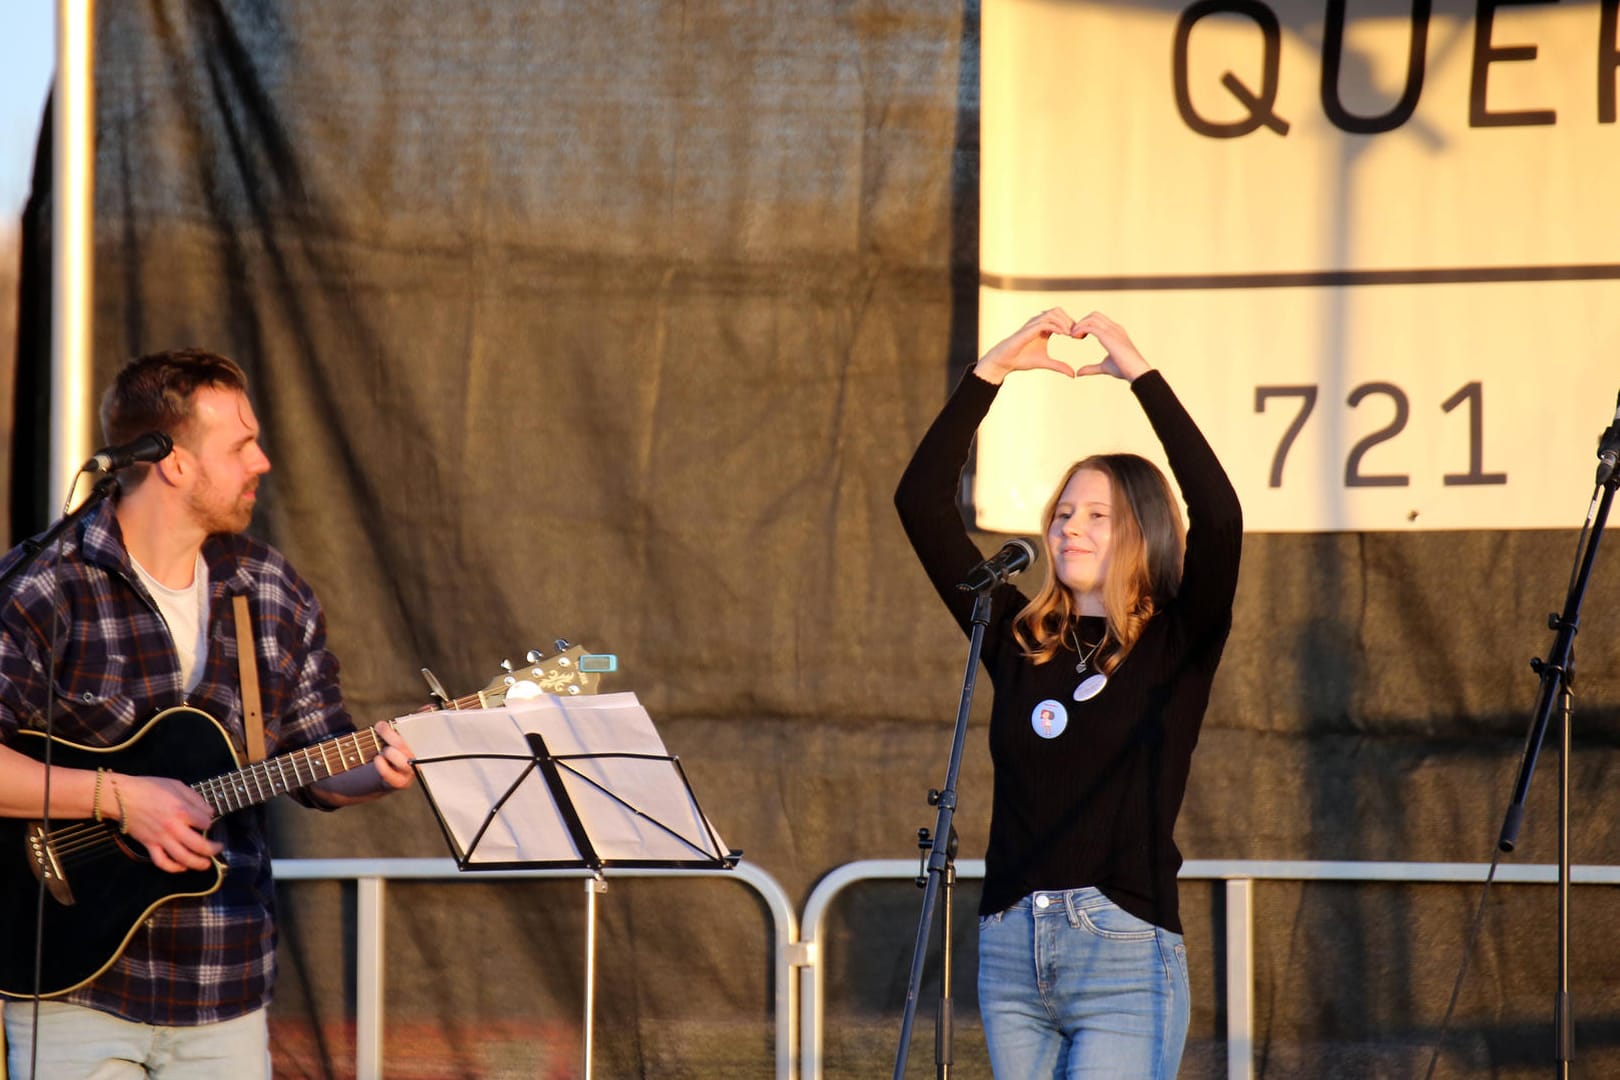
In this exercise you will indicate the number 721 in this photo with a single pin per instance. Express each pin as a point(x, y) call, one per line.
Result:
point(1471, 393)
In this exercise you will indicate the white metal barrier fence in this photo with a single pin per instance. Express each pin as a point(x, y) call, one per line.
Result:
point(800, 971)
point(373, 875)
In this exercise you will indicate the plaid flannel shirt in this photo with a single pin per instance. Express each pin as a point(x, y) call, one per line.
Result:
point(192, 961)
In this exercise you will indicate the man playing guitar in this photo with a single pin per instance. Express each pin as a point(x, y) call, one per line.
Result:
point(135, 615)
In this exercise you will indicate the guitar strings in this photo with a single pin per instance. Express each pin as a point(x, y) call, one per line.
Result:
point(71, 841)
point(82, 839)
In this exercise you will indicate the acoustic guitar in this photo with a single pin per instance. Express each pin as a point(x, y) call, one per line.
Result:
point(100, 885)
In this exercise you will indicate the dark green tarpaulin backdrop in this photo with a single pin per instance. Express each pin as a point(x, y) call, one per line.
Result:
point(618, 323)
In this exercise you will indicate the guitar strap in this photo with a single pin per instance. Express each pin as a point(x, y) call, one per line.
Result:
point(247, 664)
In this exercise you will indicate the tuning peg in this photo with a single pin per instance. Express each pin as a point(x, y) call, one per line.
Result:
point(535, 656)
point(506, 665)
point(562, 644)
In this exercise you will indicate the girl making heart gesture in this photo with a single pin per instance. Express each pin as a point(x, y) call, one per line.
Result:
point(1101, 681)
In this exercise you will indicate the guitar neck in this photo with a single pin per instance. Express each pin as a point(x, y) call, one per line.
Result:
point(264, 780)
point(471, 701)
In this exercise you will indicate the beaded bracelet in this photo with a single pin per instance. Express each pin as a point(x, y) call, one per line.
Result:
point(123, 819)
point(95, 801)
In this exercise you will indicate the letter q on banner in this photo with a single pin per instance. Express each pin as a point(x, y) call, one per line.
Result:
point(1374, 256)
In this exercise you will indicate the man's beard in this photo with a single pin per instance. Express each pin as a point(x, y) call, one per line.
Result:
point(215, 518)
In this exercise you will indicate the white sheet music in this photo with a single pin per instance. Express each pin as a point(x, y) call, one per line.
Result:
point(632, 809)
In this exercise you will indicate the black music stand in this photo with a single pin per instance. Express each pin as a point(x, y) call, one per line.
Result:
point(559, 783)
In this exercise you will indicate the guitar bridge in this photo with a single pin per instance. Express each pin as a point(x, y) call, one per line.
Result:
point(43, 861)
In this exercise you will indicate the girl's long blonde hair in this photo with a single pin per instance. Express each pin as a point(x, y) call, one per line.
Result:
point(1146, 548)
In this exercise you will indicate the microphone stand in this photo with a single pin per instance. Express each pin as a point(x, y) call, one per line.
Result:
point(1557, 679)
point(940, 857)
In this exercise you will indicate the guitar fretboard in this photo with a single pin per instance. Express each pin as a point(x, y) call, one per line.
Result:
point(264, 780)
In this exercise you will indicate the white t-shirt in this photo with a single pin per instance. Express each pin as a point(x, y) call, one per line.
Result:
point(186, 612)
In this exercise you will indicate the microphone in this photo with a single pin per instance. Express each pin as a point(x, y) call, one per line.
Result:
point(1609, 447)
point(153, 446)
point(1015, 555)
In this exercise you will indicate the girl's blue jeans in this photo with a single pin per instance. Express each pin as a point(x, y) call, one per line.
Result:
point(1071, 986)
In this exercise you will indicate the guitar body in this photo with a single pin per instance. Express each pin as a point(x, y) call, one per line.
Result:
point(113, 885)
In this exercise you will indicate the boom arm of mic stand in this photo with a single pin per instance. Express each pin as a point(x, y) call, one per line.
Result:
point(1555, 670)
point(938, 855)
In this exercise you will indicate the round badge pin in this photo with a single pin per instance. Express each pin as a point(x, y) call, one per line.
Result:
point(1049, 718)
point(1090, 688)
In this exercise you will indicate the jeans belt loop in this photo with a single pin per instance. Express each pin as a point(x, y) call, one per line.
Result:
point(1071, 907)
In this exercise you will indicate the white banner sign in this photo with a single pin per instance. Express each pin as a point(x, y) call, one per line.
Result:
point(1378, 258)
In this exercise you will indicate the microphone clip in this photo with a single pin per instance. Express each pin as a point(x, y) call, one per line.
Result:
point(1608, 450)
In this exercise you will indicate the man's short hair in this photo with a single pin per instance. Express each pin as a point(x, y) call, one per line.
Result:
point(156, 392)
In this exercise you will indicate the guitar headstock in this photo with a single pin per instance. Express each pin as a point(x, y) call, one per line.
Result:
point(571, 670)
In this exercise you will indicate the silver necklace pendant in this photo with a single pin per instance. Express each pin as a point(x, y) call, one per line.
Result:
point(1085, 661)
point(1092, 685)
